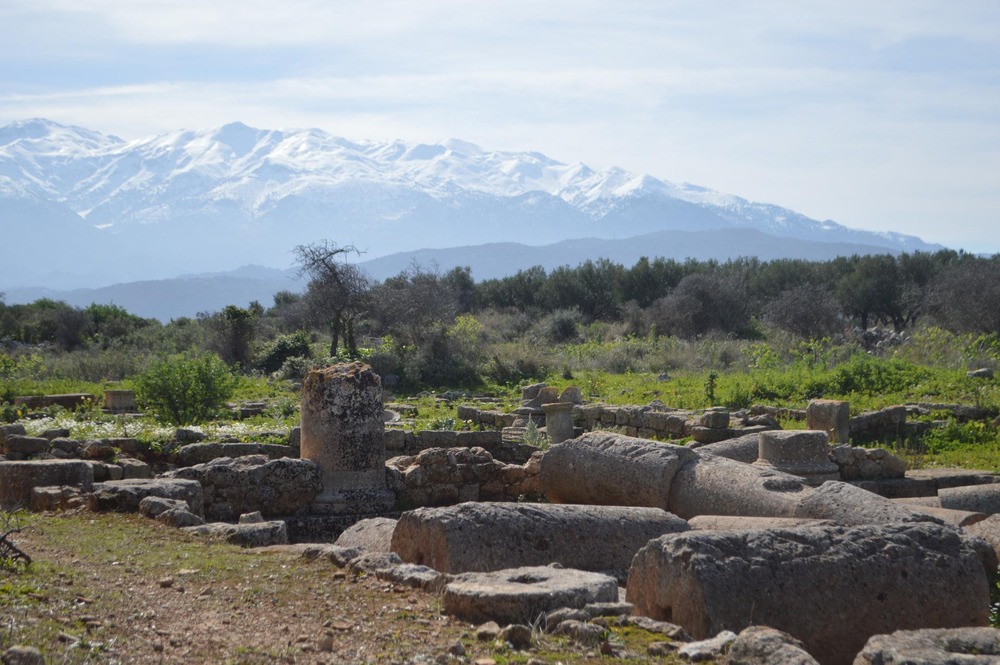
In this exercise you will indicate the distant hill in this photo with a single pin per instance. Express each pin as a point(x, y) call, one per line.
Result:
point(186, 296)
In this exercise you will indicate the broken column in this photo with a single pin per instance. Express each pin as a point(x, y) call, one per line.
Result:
point(342, 432)
point(799, 453)
point(832, 416)
point(559, 421)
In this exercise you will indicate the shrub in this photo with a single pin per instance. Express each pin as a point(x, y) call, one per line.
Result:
point(274, 355)
point(184, 390)
point(869, 375)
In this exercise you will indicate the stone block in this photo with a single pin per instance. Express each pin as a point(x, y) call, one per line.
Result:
point(488, 440)
point(602, 468)
point(369, 535)
point(124, 496)
point(830, 587)
point(744, 448)
point(18, 478)
point(711, 485)
point(850, 505)
point(261, 534)
point(715, 419)
point(25, 445)
point(933, 646)
point(523, 595)
point(831, 416)
point(973, 498)
point(485, 536)
point(432, 438)
point(133, 468)
point(803, 453)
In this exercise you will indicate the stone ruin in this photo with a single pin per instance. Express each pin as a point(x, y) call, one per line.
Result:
point(842, 554)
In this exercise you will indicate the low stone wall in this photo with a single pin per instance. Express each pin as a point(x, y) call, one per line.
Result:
point(445, 476)
point(398, 442)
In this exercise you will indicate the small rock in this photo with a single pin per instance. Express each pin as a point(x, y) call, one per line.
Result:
point(488, 631)
point(457, 649)
point(660, 649)
point(707, 649)
point(166, 582)
point(20, 655)
point(326, 643)
point(580, 632)
point(517, 635)
point(553, 619)
point(252, 518)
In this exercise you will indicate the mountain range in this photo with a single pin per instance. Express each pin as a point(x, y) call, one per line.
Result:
point(80, 209)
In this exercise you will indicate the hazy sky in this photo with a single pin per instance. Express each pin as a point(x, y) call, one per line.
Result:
point(881, 115)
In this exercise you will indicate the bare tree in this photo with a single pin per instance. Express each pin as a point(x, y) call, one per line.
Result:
point(337, 290)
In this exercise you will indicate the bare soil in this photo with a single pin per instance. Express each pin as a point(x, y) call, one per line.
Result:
point(125, 589)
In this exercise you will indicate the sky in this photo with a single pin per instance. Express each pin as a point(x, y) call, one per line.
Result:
point(880, 115)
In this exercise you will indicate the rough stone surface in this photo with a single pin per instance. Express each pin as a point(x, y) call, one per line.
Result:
point(717, 486)
point(247, 484)
point(761, 645)
point(803, 453)
point(153, 506)
point(133, 468)
point(744, 448)
point(370, 535)
point(200, 453)
point(124, 496)
point(25, 445)
point(987, 529)
point(523, 594)
point(850, 505)
point(707, 650)
point(953, 517)
point(22, 655)
point(831, 416)
point(941, 646)
point(179, 518)
point(412, 575)
point(342, 432)
point(17, 479)
point(58, 497)
point(740, 523)
point(603, 468)
point(867, 463)
point(245, 535)
point(559, 421)
point(831, 587)
point(974, 498)
point(13, 429)
point(485, 537)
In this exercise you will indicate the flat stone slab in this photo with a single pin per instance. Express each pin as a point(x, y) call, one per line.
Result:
point(830, 587)
point(259, 534)
point(493, 536)
point(17, 479)
point(371, 535)
point(521, 595)
point(944, 646)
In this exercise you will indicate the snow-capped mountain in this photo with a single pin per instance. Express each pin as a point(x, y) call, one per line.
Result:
point(94, 207)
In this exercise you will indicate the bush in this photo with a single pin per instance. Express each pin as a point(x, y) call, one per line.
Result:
point(869, 375)
point(274, 355)
point(184, 390)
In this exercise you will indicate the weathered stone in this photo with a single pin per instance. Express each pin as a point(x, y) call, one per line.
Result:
point(741, 523)
point(709, 435)
point(22, 655)
point(342, 432)
point(153, 506)
point(952, 517)
point(119, 401)
point(523, 594)
point(124, 496)
point(609, 469)
point(188, 435)
point(556, 617)
point(63, 497)
point(581, 632)
point(974, 498)
point(831, 416)
point(744, 448)
point(412, 575)
point(850, 505)
point(485, 537)
point(25, 445)
point(104, 471)
point(372, 562)
point(517, 635)
point(559, 421)
point(987, 529)
point(713, 485)
point(803, 453)
point(831, 587)
point(133, 468)
point(760, 645)
point(709, 649)
point(370, 535)
point(179, 518)
point(13, 429)
point(255, 517)
point(18, 478)
point(244, 535)
point(571, 394)
point(714, 419)
point(246, 484)
point(933, 646)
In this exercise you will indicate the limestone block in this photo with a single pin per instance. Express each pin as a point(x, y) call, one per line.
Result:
point(744, 448)
point(18, 478)
point(485, 537)
point(831, 416)
point(974, 498)
point(830, 587)
point(133, 468)
point(803, 453)
point(952, 517)
point(25, 445)
point(559, 421)
point(947, 646)
point(850, 505)
point(522, 595)
point(760, 645)
point(711, 485)
point(13, 429)
point(603, 468)
point(714, 419)
point(124, 496)
point(987, 529)
point(262, 534)
point(370, 535)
